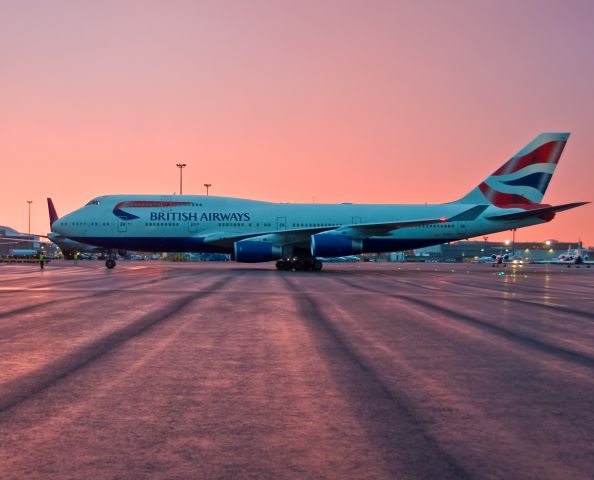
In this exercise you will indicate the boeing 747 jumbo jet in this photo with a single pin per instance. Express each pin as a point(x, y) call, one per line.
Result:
point(296, 234)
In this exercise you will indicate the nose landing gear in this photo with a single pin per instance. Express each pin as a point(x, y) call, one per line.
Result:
point(110, 262)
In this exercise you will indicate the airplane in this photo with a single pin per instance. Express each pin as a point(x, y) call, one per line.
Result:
point(295, 235)
point(500, 259)
point(12, 238)
point(570, 258)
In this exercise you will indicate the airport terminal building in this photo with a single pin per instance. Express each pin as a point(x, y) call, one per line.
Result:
point(471, 251)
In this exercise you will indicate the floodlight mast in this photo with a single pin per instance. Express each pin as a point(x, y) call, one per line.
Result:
point(29, 202)
point(181, 167)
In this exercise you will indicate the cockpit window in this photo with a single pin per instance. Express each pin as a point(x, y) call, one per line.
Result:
point(93, 202)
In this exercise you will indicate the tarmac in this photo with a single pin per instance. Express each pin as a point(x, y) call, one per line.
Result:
point(223, 370)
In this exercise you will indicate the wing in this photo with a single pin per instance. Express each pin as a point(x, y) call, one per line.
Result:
point(302, 235)
point(10, 240)
point(285, 237)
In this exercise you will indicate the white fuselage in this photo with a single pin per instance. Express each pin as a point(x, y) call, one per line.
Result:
point(203, 223)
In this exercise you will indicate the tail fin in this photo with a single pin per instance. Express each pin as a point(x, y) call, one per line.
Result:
point(53, 215)
point(524, 178)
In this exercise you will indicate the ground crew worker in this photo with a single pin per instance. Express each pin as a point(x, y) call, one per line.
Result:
point(41, 260)
point(75, 256)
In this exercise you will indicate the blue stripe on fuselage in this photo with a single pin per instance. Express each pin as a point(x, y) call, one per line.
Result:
point(193, 244)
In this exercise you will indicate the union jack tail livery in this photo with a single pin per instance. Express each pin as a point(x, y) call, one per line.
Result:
point(522, 181)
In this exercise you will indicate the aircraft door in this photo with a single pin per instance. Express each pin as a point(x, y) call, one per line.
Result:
point(281, 223)
point(356, 220)
point(122, 225)
point(193, 227)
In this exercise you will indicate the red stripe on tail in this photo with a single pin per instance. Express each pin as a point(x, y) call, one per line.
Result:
point(546, 153)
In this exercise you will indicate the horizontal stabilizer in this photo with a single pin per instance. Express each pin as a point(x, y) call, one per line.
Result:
point(536, 212)
point(25, 239)
point(470, 214)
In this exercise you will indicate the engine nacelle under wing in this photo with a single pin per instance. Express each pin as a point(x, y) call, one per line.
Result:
point(253, 251)
point(334, 245)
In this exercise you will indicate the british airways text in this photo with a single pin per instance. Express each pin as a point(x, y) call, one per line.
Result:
point(204, 217)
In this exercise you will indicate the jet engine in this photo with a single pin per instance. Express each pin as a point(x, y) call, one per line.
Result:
point(334, 245)
point(253, 251)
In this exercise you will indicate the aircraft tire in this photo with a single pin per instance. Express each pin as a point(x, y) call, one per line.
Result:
point(280, 265)
point(109, 263)
point(317, 265)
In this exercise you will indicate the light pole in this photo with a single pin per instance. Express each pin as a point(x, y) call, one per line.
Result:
point(29, 202)
point(207, 185)
point(180, 166)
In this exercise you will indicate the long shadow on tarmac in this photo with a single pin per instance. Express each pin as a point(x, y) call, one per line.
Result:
point(389, 419)
point(38, 381)
point(457, 316)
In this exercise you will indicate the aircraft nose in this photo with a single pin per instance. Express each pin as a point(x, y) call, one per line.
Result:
point(61, 225)
point(57, 226)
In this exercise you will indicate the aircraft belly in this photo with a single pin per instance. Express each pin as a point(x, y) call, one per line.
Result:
point(155, 244)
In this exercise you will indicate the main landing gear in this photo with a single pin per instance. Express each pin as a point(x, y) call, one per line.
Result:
point(295, 264)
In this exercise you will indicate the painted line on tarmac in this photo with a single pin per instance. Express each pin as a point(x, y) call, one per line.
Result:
point(543, 303)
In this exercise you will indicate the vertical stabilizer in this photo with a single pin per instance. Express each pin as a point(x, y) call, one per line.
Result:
point(522, 180)
point(53, 215)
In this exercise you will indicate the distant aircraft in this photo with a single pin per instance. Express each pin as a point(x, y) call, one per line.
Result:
point(297, 234)
point(575, 257)
point(501, 259)
point(12, 238)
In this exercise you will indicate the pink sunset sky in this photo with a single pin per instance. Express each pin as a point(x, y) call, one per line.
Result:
point(291, 101)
